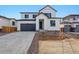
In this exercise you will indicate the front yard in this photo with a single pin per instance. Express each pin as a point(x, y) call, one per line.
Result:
point(70, 45)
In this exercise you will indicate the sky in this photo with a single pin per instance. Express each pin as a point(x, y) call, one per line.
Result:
point(13, 11)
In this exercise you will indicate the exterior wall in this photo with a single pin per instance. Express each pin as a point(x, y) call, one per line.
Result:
point(41, 16)
point(11, 23)
point(30, 16)
point(24, 22)
point(72, 18)
point(4, 22)
point(56, 27)
point(47, 23)
point(49, 10)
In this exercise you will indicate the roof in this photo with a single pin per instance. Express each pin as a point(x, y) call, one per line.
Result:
point(48, 6)
point(4, 17)
point(41, 13)
point(51, 17)
point(29, 12)
point(26, 20)
point(56, 18)
point(68, 22)
point(71, 15)
point(12, 18)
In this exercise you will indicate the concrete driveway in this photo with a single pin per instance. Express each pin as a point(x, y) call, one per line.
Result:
point(16, 43)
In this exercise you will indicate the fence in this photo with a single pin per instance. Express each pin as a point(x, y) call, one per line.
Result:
point(9, 29)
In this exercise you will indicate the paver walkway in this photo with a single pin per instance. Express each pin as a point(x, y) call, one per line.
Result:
point(15, 43)
point(67, 46)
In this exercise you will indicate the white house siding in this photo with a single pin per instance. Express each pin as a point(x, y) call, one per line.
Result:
point(41, 16)
point(74, 25)
point(49, 10)
point(30, 16)
point(4, 22)
point(47, 23)
point(24, 22)
point(56, 27)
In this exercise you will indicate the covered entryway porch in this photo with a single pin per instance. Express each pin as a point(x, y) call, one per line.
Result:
point(41, 22)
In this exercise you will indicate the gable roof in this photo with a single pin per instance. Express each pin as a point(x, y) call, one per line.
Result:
point(49, 7)
point(41, 13)
point(4, 17)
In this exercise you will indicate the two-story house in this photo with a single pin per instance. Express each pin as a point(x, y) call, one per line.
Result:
point(71, 23)
point(44, 19)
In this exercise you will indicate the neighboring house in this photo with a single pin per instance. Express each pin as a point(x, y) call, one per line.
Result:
point(44, 19)
point(4, 21)
point(71, 23)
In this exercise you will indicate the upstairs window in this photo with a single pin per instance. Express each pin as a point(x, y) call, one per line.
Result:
point(26, 16)
point(52, 23)
point(48, 14)
point(13, 23)
point(74, 18)
point(34, 16)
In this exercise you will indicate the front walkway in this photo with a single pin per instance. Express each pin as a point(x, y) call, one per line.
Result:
point(67, 46)
point(15, 43)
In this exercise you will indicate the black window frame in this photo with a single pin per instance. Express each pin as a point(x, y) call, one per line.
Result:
point(48, 14)
point(52, 23)
point(34, 16)
point(26, 16)
point(13, 23)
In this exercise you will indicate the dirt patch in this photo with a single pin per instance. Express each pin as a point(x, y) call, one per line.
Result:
point(70, 44)
point(51, 36)
point(3, 33)
point(34, 48)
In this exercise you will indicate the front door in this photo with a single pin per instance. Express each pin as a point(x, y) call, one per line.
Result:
point(41, 24)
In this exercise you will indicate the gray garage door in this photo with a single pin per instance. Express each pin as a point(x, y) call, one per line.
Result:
point(28, 27)
point(67, 28)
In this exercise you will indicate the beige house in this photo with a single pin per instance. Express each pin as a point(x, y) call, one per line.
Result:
point(4, 21)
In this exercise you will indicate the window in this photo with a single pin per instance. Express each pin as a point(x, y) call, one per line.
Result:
point(26, 16)
point(34, 16)
point(74, 18)
point(13, 23)
point(52, 23)
point(48, 14)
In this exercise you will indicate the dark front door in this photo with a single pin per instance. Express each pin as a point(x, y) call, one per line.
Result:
point(28, 27)
point(41, 24)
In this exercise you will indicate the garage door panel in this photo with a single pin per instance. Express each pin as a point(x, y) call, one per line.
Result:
point(28, 27)
point(67, 28)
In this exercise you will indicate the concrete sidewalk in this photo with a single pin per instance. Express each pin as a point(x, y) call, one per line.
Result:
point(16, 43)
